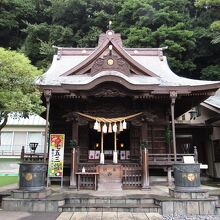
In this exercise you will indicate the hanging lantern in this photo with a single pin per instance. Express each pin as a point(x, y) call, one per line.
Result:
point(96, 125)
point(124, 124)
point(115, 127)
point(120, 126)
point(99, 127)
point(110, 128)
point(104, 128)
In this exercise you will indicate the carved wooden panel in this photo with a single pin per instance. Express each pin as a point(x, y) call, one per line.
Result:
point(108, 173)
point(110, 62)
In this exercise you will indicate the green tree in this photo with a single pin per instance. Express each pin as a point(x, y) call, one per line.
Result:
point(13, 17)
point(39, 41)
point(211, 72)
point(186, 27)
point(17, 90)
point(213, 5)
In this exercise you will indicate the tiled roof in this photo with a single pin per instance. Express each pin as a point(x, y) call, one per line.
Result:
point(214, 100)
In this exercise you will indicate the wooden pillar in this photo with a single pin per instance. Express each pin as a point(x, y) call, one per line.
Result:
point(74, 153)
point(145, 169)
point(73, 169)
point(144, 133)
point(173, 96)
point(47, 95)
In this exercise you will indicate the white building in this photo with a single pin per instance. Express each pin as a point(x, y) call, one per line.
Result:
point(20, 132)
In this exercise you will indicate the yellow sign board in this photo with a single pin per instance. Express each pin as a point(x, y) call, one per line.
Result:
point(56, 155)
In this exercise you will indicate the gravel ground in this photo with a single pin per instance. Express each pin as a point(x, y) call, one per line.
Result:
point(193, 217)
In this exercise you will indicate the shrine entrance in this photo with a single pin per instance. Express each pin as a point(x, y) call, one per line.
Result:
point(123, 145)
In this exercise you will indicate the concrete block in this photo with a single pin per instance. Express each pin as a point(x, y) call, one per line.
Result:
point(167, 208)
point(92, 209)
point(91, 201)
point(8, 204)
point(117, 201)
point(102, 201)
point(39, 206)
point(193, 207)
point(125, 209)
point(51, 206)
point(200, 195)
point(84, 201)
point(179, 208)
point(132, 201)
point(207, 207)
point(148, 201)
point(17, 195)
point(27, 206)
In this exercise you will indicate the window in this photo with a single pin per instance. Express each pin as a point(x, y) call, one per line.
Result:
point(6, 141)
point(36, 137)
point(19, 140)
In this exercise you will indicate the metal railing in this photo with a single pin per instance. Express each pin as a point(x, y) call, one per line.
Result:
point(10, 152)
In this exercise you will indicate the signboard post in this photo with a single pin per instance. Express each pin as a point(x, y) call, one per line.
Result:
point(56, 155)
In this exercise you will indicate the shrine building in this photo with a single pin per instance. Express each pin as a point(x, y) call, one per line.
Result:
point(113, 102)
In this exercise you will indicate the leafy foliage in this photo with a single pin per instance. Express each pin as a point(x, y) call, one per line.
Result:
point(17, 91)
point(211, 72)
point(215, 26)
point(186, 27)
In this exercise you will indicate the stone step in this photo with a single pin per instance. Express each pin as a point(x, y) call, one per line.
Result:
point(147, 208)
point(109, 200)
point(114, 186)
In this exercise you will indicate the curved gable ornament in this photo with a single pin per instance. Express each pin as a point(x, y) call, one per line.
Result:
point(96, 61)
point(110, 63)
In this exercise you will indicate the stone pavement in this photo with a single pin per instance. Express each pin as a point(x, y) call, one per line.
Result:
point(4, 215)
point(79, 216)
point(108, 216)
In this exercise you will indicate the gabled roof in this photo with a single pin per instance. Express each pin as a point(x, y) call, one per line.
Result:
point(32, 120)
point(134, 68)
point(213, 102)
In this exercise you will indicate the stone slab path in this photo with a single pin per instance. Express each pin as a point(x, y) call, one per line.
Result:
point(108, 216)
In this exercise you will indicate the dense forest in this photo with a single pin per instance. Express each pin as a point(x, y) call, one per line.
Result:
point(190, 29)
